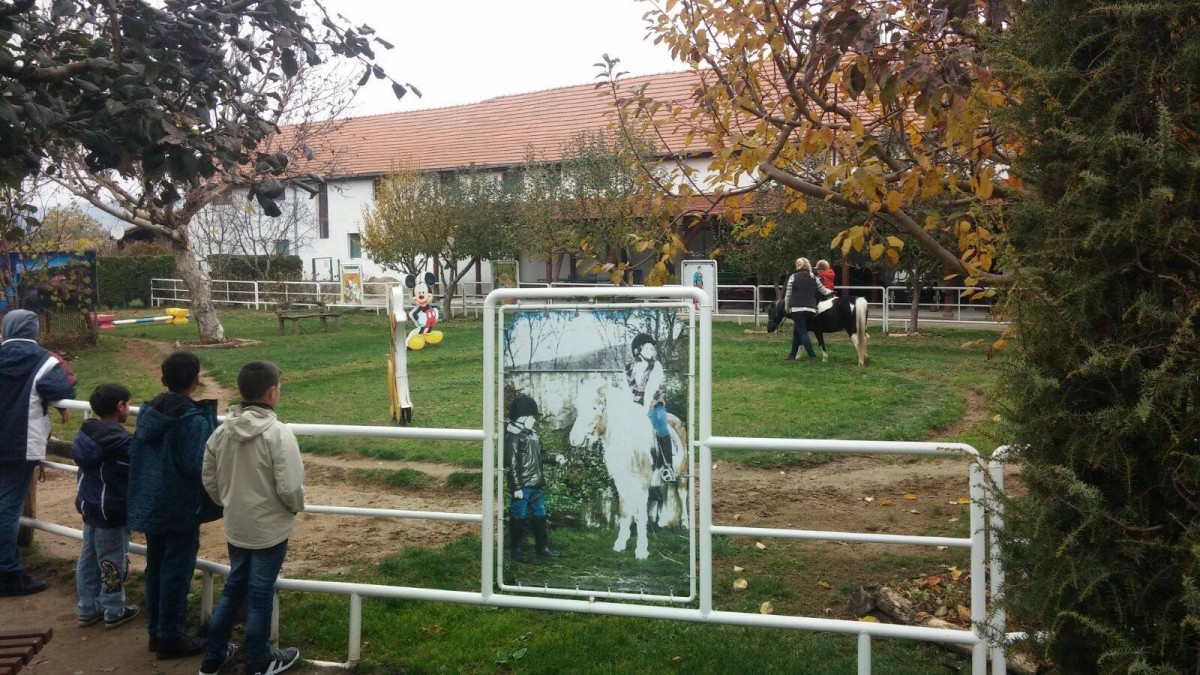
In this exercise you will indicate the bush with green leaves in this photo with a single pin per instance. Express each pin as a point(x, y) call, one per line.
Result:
point(125, 278)
point(1104, 394)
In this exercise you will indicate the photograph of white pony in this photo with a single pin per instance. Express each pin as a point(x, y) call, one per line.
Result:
point(607, 415)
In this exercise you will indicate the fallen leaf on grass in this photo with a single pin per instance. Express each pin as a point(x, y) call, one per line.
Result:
point(913, 511)
point(909, 496)
point(942, 548)
point(677, 659)
point(933, 581)
point(921, 616)
point(885, 502)
point(963, 500)
point(760, 546)
point(869, 619)
point(868, 499)
point(766, 608)
point(737, 516)
point(737, 568)
point(740, 584)
point(963, 613)
point(824, 584)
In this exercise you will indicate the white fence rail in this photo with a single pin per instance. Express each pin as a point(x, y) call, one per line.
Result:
point(987, 618)
point(888, 304)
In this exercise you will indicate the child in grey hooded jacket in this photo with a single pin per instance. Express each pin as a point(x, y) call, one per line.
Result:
point(252, 467)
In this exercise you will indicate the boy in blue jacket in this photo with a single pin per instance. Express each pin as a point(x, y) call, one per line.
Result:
point(30, 380)
point(167, 500)
point(101, 449)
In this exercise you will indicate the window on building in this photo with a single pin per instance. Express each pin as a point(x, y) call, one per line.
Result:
point(323, 211)
point(355, 246)
point(281, 247)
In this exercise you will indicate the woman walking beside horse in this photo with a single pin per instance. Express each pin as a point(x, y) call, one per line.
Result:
point(801, 297)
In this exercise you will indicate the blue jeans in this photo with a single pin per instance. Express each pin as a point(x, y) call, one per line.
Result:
point(251, 580)
point(170, 561)
point(15, 478)
point(800, 334)
point(658, 418)
point(519, 508)
point(100, 573)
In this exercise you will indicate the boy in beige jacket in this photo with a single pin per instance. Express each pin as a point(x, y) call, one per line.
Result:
point(252, 467)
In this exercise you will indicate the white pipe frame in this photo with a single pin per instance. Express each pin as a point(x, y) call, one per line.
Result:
point(704, 612)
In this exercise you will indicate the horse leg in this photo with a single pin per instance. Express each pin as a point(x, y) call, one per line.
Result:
point(622, 527)
point(642, 551)
point(821, 341)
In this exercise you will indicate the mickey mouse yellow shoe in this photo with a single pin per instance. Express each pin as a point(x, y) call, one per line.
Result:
point(433, 337)
point(416, 342)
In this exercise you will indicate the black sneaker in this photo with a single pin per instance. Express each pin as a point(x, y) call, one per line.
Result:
point(19, 583)
point(281, 660)
point(212, 667)
point(180, 647)
point(128, 615)
point(84, 622)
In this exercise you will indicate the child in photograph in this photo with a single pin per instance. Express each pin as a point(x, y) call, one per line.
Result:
point(101, 449)
point(252, 467)
point(646, 379)
point(167, 500)
point(523, 460)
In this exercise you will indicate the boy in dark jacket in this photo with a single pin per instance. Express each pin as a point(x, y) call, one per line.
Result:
point(30, 380)
point(523, 459)
point(101, 449)
point(167, 500)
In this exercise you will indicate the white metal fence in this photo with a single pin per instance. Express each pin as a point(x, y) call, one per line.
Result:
point(888, 304)
point(985, 517)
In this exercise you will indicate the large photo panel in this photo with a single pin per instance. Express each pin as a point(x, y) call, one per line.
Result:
point(595, 470)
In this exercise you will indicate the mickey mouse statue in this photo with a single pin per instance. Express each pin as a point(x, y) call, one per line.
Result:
point(424, 315)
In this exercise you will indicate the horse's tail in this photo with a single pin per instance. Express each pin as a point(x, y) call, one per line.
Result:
point(860, 329)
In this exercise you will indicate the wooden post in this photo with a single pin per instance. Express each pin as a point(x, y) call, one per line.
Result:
point(25, 535)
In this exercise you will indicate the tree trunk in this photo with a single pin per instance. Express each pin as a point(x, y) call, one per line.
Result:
point(199, 286)
point(915, 306)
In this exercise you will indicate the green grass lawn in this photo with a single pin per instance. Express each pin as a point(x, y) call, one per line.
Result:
point(914, 389)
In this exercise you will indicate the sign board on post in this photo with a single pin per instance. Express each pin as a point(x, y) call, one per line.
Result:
point(352, 284)
point(398, 357)
point(594, 458)
point(505, 274)
point(701, 274)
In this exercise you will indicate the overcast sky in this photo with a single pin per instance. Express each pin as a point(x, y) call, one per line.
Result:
point(461, 51)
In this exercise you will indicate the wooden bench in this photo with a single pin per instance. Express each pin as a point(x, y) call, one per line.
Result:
point(318, 312)
point(18, 646)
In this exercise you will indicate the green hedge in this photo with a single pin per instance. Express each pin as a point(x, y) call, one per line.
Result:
point(246, 267)
point(123, 279)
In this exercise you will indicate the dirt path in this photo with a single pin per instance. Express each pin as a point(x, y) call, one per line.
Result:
point(150, 357)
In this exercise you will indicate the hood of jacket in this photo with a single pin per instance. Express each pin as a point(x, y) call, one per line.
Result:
point(165, 412)
point(104, 435)
point(248, 420)
point(20, 352)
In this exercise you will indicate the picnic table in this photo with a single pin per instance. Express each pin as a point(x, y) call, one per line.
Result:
point(17, 647)
point(318, 312)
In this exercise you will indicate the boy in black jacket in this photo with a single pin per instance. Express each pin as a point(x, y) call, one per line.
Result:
point(101, 449)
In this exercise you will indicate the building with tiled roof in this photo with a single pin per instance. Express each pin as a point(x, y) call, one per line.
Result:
point(494, 135)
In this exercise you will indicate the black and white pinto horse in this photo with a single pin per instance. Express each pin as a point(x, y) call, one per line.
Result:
point(840, 313)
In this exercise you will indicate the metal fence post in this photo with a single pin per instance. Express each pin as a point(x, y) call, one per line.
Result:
point(864, 654)
point(354, 651)
point(275, 620)
point(206, 597)
point(255, 295)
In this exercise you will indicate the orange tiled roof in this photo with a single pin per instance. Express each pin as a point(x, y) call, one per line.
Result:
point(501, 131)
point(495, 132)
